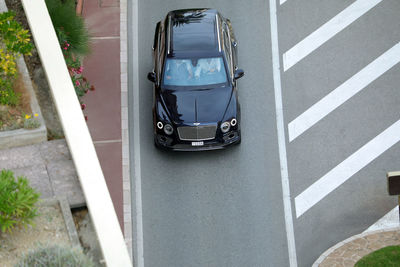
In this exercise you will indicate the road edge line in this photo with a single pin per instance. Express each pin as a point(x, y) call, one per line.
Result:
point(281, 135)
point(133, 96)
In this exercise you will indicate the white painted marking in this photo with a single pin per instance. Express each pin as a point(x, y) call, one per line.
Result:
point(137, 173)
point(282, 1)
point(390, 220)
point(281, 136)
point(346, 169)
point(344, 92)
point(327, 31)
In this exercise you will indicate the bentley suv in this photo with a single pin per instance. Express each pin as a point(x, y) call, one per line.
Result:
point(195, 76)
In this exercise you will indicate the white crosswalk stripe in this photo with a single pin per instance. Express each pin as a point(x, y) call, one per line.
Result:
point(346, 169)
point(344, 92)
point(327, 31)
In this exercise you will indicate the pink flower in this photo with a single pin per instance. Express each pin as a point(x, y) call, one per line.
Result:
point(83, 106)
point(79, 71)
point(77, 83)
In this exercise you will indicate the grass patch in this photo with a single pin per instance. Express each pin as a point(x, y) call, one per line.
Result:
point(384, 257)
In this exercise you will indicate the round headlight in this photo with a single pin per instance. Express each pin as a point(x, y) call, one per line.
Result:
point(160, 125)
point(168, 129)
point(225, 126)
point(233, 122)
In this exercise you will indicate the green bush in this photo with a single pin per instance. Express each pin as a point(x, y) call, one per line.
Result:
point(55, 256)
point(14, 41)
point(73, 37)
point(7, 93)
point(17, 202)
point(69, 26)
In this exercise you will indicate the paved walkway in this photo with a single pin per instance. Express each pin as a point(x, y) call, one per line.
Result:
point(49, 168)
point(348, 252)
point(102, 69)
point(107, 106)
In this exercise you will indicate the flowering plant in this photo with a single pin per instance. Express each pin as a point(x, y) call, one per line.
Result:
point(14, 41)
point(31, 121)
point(75, 68)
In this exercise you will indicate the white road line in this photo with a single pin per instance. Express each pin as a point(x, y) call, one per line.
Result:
point(327, 31)
point(344, 92)
point(346, 169)
point(281, 136)
point(282, 1)
point(133, 57)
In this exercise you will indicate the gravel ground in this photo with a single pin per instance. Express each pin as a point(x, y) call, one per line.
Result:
point(49, 228)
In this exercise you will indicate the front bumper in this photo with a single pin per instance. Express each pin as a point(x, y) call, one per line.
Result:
point(168, 143)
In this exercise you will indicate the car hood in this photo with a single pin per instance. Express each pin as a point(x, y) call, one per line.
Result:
point(202, 106)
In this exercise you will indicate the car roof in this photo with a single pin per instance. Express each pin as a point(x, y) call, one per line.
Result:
point(193, 30)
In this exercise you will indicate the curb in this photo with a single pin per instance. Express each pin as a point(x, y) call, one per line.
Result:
point(348, 240)
point(22, 137)
point(69, 221)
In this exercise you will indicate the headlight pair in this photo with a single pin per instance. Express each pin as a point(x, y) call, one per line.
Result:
point(168, 129)
point(226, 126)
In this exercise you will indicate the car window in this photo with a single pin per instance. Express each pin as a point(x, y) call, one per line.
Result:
point(194, 72)
point(227, 50)
point(161, 48)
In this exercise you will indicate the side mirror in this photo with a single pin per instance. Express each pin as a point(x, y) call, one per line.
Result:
point(238, 74)
point(151, 76)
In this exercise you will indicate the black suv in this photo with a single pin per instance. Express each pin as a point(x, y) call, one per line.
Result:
point(195, 71)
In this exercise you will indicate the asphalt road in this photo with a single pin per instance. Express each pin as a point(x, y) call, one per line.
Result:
point(362, 199)
point(225, 208)
point(218, 208)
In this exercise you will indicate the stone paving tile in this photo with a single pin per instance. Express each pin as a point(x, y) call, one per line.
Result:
point(55, 150)
point(64, 181)
point(352, 251)
point(104, 104)
point(101, 20)
point(109, 3)
point(110, 157)
point(20, 157)
point(38, 179)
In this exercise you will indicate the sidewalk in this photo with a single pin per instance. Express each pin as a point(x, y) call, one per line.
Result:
point(103, 69)
point(48, 167)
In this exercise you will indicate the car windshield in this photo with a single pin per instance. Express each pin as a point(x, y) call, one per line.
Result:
point(194, 72)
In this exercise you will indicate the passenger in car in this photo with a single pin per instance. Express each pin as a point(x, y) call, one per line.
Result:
point(178, 69)
point(207, 66)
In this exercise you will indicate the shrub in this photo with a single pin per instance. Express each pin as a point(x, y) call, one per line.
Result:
point(31, 121)
point(7, 94)
point(17, 202)
point(69, 26)
point(14, 41)
point(55, 256)
point(73, 37)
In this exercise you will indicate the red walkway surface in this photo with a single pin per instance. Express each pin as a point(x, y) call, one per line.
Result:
point(102, 69)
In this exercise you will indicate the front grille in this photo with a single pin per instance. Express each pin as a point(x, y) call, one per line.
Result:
point(197, 133)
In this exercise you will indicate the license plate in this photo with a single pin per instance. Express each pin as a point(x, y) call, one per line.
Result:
point(201, 143)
